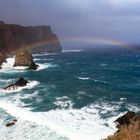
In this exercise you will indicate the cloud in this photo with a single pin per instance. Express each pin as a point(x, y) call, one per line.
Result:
point(115, 18)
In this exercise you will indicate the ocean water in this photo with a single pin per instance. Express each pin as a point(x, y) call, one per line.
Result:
point(76, 94)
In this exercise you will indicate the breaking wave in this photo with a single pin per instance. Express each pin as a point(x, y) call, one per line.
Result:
point(7, 67)
point(83, 78)
point(65, 51)
point(85, 123)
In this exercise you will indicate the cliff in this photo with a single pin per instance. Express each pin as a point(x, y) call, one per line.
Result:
point(39, 38)
point(128, 127)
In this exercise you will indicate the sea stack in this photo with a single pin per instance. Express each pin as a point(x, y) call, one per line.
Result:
point(25, 58)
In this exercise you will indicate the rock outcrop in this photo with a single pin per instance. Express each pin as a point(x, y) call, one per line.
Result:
point(128, 127)
point(39, 38)
point(2, 58)
point(11, 123)
point(125, 119)
point(24, 58)
point(33, 66)
point(20, 83)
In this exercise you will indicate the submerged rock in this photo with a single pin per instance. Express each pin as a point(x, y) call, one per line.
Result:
point(24, 58)
point(128, 127)
point(20, 83)
point(11, 123)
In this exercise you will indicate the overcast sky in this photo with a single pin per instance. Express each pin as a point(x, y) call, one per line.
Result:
point(117, 19)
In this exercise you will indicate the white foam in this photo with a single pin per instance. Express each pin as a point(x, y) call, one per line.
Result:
point(43, 54)
point(82, 93)
point(83, 78)
point(29, 85)
point(132, 107)
point(63, 102)
point(34, 55)
point(8, 66)
point(100, 81)
point(24, 130)
point(29, 96)
point(37, 59)
point(82, 124)
point(103, 65)
point(20, 67)
point(123, 99)
point(65, 51)
point(45, 66)
point(6, 80)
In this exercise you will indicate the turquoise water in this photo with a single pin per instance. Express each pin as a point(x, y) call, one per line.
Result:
point(73, 95)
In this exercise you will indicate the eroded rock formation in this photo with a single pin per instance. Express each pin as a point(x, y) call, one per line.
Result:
point(24, 58)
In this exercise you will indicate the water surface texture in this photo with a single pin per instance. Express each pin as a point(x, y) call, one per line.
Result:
point(76, 94)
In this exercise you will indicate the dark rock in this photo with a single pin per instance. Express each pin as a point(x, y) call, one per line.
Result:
point(24, 58)
point(129, 127)
point(126, 118)
point(10, 124)
point(2, 58)
point(20, 83)
point(14, 120)
point(33, 66)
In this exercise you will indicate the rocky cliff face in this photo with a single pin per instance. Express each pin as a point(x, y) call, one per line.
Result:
point(128, 127)
point(2, 58)
point(15, 37)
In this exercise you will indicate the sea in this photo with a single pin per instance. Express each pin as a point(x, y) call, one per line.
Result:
point(74, 95)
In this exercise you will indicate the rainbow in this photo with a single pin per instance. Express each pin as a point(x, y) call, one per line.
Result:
point(92, 40)
point(98, 40)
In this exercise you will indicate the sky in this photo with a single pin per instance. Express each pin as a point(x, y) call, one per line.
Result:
point(114, 19)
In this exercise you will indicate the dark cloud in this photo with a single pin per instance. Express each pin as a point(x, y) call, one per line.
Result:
point(113, 18)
